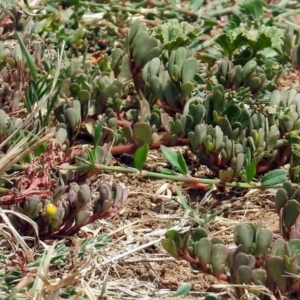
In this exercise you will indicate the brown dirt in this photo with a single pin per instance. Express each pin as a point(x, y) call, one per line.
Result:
point(151, 271)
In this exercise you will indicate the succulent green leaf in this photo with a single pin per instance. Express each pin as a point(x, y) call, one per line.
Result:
point(55, 223)
point(239, 164)
point(142, 48)
point(224, 125)
point(180, 57)
point(77, 108)
point(275, 271)
point(116, 57)
point(263, 242)
point(290, 213)
point(142, 134)
point(296, 56)
point(244, 275)
point(203, 250)
point(169, 89)
point(218, 100)
point(198, 234)
point(135, 27)
point(86, 193)
point(125, 73)
point(189, 69)
point(281, 199)
point(185, 90)
point(82, 216)
point(145, 110)
point(278, 247)
point(170, 247)
point(139, 40)
point(294, 245)
point(197, 112)
point(219, 138)
point(74, 89)
point(83, 96)
point(244, 234)
point(290, 264)
point(239, 259)
point(127, 133)
point(154, 52)
point(289, 188)
point(219, 255)
point(104, 192)
point(273, 137)
point(216, 240)
point(71, 118)
point(175, 75)
point(259, 276)
point(115, 87)
point(156, 87)
point(154, 66)
point(233, 112)
point(244, 118)
point(248, 69)
point(176, 238)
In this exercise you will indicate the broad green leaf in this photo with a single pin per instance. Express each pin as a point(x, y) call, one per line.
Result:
point(98, 131)
point(40, 150)
point(29, 59)
point(91, 156)
point(248, 154)
point(167, 171)
point(274, 177)
point(175, 159)
point(251, 171)
point(210, 297)
point(195, 4)
point(140, 157)
point(174, 34)
point(254, 8)
point(184, 289)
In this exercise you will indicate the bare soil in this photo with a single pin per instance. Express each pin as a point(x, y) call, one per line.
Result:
point(150, 273)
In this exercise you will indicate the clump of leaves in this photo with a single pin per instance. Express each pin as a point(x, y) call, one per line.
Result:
point(174, 34)
point(243, 43)
point(255, 261)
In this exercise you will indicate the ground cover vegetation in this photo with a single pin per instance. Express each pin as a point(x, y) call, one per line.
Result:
point(85, 82)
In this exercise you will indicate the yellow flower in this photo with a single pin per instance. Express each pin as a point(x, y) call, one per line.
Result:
point(209, 146)
point(51, 210)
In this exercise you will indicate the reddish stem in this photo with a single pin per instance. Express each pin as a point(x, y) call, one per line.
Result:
point(198, 185)
point(130, 148)
point(196, 263)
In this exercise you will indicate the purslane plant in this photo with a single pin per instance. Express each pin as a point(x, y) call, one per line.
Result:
point(151, 92)
point(53, 199)
point(257, 258)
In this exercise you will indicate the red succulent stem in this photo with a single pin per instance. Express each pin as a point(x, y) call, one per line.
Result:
point(131, 148)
